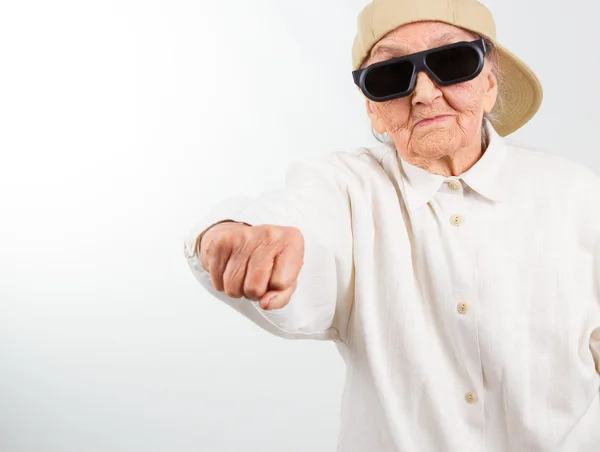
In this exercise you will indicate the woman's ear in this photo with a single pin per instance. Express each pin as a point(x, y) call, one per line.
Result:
point(491, 93)
point(376, 122)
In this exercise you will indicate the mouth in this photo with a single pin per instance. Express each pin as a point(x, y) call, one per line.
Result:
point(433, 120)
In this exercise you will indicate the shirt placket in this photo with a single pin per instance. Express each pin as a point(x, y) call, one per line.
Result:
point(463, 302)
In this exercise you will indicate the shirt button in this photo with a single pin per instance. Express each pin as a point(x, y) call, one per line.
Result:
point(454, 185)
point(457, 220)
point(463, 307)
point(471, 397)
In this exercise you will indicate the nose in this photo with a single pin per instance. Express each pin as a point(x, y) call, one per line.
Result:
point(426, 91)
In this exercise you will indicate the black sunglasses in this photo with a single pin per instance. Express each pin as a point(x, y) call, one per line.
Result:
point(447, 65)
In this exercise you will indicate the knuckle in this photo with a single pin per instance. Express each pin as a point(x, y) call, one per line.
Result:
point(253, 292)
point(233, 279)
point(296, 236)
point(279, 281)
point(219, 238)
point(272, 233)
point(216, 246)
point(226, 239)
point(283, 282)
point(239, 243)
point(256, 283)
point(233, 291)
point(218, 286)
point(272, 237)
point(266, 234)
point(240, 238)
point(217, 281)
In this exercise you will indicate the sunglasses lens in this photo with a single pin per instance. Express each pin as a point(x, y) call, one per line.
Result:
point(388, 79)
point(453, 64)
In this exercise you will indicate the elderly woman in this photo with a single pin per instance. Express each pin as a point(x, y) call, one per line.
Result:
point(457, 274)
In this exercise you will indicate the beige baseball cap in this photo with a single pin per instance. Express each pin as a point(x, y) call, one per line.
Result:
point(520, 90)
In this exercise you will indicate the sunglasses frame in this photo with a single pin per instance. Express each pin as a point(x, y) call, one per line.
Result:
point(419, 64)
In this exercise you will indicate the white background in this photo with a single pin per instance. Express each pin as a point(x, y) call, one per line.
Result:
point(121, 124)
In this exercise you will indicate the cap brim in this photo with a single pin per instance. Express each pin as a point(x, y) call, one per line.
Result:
point(520, 91)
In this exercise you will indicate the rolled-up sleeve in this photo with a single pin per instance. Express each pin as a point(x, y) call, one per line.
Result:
point(314, 201)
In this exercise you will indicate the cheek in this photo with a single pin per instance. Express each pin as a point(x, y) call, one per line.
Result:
point(464, 97)
point(394, 113)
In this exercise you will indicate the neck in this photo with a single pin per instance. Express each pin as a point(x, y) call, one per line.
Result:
point(456, 164)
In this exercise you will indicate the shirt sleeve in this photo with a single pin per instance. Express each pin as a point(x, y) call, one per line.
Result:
point(314, 201)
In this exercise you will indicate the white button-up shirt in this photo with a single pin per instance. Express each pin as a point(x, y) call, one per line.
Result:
point(467, 309)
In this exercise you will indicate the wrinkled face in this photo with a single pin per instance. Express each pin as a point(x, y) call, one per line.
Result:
point(433, 122)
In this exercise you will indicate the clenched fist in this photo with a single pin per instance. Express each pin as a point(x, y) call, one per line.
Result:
point(260, 263)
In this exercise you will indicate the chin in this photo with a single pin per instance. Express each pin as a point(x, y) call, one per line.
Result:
point(439, 142)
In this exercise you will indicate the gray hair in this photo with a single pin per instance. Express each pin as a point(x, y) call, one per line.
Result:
point(492, 57)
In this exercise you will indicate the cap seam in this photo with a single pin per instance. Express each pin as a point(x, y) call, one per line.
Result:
point(371, 28)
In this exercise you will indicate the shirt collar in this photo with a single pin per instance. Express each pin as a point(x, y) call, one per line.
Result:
point(420, 186)
point(484, 177)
